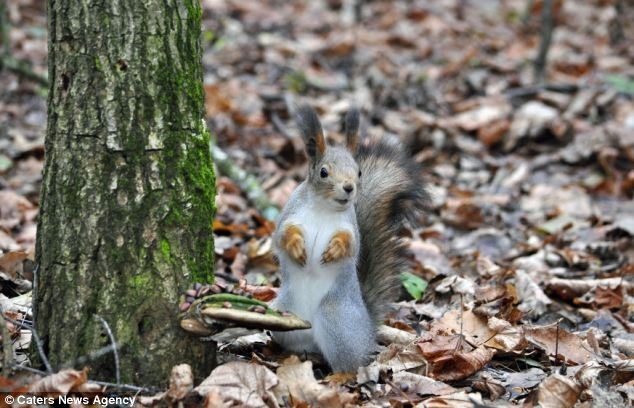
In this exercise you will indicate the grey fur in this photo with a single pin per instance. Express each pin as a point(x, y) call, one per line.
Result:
point(388, 192)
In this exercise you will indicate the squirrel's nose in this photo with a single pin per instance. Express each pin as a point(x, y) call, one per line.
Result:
point(348, 188)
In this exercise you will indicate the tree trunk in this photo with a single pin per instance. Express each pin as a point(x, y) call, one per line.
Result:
point(128, 190)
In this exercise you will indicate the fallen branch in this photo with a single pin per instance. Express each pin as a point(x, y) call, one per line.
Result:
point(11, 64)
point(83, 360)
point(546, 32)
point(246, 182)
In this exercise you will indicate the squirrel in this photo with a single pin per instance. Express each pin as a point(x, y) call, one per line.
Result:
point(337, 241)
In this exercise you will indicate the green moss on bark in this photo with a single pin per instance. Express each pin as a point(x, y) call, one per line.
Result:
point(126, 112)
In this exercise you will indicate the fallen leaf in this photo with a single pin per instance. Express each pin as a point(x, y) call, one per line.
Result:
point(60, 383)
point(398, 357)
point(557, 391)
point(181, 382)
point(418, 385)
point(240, 383)
point(532, 299)
point(297, 383)
point(569, 346)
point(460, 399)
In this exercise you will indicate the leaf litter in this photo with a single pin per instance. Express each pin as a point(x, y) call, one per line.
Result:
point(528, 247)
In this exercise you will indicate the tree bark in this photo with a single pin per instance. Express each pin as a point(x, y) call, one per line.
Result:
point(128, 190)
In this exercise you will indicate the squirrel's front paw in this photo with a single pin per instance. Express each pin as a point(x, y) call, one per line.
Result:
point(293, 243)
point(339, 247)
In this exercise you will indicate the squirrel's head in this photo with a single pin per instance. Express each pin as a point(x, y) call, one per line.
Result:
point(332, 170)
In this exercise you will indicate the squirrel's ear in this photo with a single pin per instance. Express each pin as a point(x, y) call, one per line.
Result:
point(352, 130)
point(311, 131)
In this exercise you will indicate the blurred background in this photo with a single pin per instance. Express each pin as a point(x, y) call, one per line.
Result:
point(520, 113)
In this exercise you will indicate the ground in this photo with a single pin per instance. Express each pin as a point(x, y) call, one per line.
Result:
point(527, 247)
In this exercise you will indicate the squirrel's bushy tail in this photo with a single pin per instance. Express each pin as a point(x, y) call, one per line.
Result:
point(391, 192)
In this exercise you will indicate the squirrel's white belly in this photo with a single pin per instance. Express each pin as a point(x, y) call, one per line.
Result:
point(314, 279)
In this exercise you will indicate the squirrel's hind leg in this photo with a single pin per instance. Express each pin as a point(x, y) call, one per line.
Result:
point(345, 335)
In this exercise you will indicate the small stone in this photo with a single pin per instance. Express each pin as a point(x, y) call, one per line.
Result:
point(204, 290)
point(257, 309)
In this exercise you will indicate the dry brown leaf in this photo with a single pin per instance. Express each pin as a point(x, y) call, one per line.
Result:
point(508, 338)
point(496, 300)
point(492, 133)
point(431, 257)
point(569, 289)
point(457, 400)
point(558, 391)
point(569, 346)
point(11, 263)
point(297, 383)
point(397, 357)
point(460, 365)
point(388, 335)
point(229, 229)
point(263, 293)
point(533, 300)
point(12, 208)
point(479, 117)
point(488, 384)
point(473, 327)
point(240, 383)
point(419, 385)
point(463, 214)
point(60, 383)
point(181, 382)
point(606, 298)
point(7, 242)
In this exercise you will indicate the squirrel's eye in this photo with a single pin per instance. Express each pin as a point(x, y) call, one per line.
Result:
point(359, 173)
point(323, 172)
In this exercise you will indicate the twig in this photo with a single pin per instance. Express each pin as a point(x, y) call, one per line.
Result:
point(461, 336)
point(125, 387)
point(401, 391)
point(557, 343)
point(10, 63)
point(92, 356)
point(36, 339)
point(279, 126)
point(617, 35)
point(535, 89)
point(40, 350)
point(546, 30)
point(22, 69)
point(34, 294)
point(106, 327)
point(29, 369)
point(80, 360)
point(562, 370)
point(4, 29)
point(526, 16)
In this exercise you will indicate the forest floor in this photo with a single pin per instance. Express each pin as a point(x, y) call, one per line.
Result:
point(527, 249)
